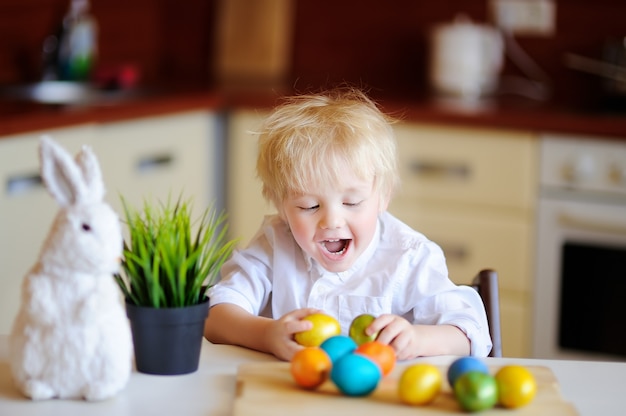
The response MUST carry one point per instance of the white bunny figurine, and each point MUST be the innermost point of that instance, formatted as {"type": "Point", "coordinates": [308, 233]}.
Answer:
{"type": "Point", "coordinates": [71, 337]}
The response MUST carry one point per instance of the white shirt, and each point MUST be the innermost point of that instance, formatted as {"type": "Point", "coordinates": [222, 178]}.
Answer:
{"type": "Point", "coordinates": [401, 272]}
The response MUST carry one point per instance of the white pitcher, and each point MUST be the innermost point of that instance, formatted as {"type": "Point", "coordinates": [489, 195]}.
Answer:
{"type": "Point", "coordinates": [466, 59]}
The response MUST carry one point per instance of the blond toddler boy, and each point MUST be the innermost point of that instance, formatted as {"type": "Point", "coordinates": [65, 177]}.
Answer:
{"type": "Point", "coordinates": [328, 164]}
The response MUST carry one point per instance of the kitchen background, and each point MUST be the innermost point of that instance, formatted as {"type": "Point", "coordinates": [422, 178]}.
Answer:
{"type": "Point", "coordinates": [382, 45]}
{"type": "Point", "coordinates": [488, 185]}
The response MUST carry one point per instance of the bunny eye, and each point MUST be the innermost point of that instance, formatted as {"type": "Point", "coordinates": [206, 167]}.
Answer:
{"type": "Point", "coordinates": [86, 226]}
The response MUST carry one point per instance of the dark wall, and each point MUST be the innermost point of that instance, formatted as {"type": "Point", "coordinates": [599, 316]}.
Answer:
{"type": "Point", "coordinates": [385, 44]}
{"type": "Point", "coordinates": [379, 44]}
{"type": "Point", "coordinates": [168, 40]}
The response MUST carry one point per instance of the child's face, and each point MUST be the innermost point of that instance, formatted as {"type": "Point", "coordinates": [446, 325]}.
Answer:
{"type": "Point", "coordinates": [335, 225]}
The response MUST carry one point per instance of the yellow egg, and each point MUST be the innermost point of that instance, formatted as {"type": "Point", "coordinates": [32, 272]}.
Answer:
{"type": "Point", "coordinates": [516, 386]}
{"type": "Point", "coordinates": [324, 327]}
{"type": "Point", "coordinates": [419, 384]}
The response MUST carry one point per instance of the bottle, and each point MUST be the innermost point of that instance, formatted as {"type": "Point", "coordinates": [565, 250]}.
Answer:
{"type": "Point", "coordinates": [77, 47]}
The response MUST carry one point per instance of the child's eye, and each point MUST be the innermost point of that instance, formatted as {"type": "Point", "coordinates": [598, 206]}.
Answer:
{"type": "Point", "coordinates": [352, 204]}
{"type": "Point", "coordinates": [312, 208]}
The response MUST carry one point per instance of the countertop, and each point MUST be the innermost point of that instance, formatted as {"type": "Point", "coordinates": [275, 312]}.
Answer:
{"type": "Point", "coordinates": [21, 116]}
{"type": "Point", "coordinates": [594, 388]}
{"type": "Point", "coordinates": [18, 117]}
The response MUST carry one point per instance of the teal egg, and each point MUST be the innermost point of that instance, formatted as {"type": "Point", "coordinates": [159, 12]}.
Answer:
{"type": "Point", "coordinates": [355, 375]}
{"type": "Point", "coordinates": [463, 365]}
{"type": "Point", "coordinates": [338, 346]}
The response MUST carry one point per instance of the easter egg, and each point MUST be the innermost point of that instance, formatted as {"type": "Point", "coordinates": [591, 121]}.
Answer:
{"type": "Point", "coordinates": [355, 375]}
{"type": "Point", "coordinates": [464, 364]}
{"type": "Point", "coordinates": [324, 326]}
{"type": "Point", "coordinates": [516, 386]}
{"type": "Point", "coordinates": [382, 354]}
{"type": "Point", "coordinates": [419, 384]}
{"type": "Point", "coordinates": [310, 367]}
{"type": "Point", "coordinates": [476, 391]}
{"type": "Point", "coordinates": [337, 346]}
{"type": "Point", "coordinates": [358, 326]}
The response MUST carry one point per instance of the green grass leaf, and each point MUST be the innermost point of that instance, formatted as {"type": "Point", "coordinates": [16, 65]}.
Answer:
{"type": "Point", "coordinates": [166, 263]}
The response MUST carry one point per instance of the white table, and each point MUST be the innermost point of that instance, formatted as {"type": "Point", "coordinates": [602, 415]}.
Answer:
{"type": "Point", "coordinates": [595, 388]}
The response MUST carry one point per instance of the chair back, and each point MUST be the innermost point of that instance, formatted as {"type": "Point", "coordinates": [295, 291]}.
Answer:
{"type": "Point", "coordinates": [486, 284]}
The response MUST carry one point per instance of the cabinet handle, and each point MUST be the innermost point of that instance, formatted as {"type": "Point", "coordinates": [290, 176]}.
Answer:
{"type": "Point", "coordinates": [150, 163]}
{"type": "Point", "coordinates": [455, 252]}
{"type": "Point", "coordinates": [20, 184]}
{"type": "Point", "coordinates": [573, 221]}
{"type": "Point", "coordinates": [440, 169]}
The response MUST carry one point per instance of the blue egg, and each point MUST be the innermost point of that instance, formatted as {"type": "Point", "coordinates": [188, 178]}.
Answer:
{"type": "Point", "coordinates": [464, 364]}
{"type": "Point", "coordinates": [355, 375]}
{"type": "Point", "coordinates": [337, 346]}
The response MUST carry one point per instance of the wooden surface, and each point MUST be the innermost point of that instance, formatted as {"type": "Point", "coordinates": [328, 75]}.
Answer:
{"type": "Point", "coordinates": [268, 389]}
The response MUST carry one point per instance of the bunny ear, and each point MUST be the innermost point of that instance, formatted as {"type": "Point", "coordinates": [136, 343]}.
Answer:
{"type": "Point", "coordinates": [88, 164]}
{"type": "Point", "coordinates": [60, 173]}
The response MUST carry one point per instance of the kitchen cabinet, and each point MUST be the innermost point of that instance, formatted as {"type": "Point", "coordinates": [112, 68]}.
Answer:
{"type": "Point", "coordinates": [245, 205]}
{"type": "Point", "coordinates": [472, 191]}
{"type": "Point", "coordinates": [161, 157]}
{"type": "Point", "coordinates": [152, 157]}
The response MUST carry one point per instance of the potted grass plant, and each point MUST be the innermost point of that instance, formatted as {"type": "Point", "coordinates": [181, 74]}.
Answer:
{"type": "Point", "coordinates": [169, 262]}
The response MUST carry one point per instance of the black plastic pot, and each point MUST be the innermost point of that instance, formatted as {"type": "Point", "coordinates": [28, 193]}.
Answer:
{"type": "Point", "coordinates": [167, 341]}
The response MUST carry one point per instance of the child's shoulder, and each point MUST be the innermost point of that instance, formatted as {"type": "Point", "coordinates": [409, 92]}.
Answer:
{"type": "Point", "coordinates": [273, 228]}
{"type": "Point", "coordinates": [397, 233]}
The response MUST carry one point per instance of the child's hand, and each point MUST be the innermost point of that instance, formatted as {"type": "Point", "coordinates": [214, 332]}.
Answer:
{"type": "Point", "coordinates": [279, 337]}
{"type": "Point", "coordinates": [397, 332]}
{"type": "Point", "coordinates": [411, 341]}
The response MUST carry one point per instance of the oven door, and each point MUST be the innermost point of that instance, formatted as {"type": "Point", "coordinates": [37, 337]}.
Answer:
{"type": "Point", "coordinates": [580, 280]}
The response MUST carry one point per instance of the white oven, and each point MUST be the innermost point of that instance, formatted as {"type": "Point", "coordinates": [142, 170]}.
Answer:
{"type": "Point", "coordinates": [580, 280]}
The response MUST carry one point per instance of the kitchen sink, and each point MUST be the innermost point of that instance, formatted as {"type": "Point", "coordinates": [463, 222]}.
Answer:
{"type": "Point", "coordinates": [66, 93]}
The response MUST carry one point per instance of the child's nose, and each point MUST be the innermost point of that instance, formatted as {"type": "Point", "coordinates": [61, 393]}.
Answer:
{"type": "Point", "coordinates": [331, 220]}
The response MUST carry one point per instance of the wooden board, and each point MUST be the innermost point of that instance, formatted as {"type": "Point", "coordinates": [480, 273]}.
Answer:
{"type": "Point", "coordinates": [268, 389]}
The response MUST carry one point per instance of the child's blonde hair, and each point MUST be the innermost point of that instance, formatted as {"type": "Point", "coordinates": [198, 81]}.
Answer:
{"type": "Point", "coordinates": [310, 138]}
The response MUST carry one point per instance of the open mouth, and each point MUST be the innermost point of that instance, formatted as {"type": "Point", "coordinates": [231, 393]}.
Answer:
{"type": "Point", "coordinates": [336, 247]}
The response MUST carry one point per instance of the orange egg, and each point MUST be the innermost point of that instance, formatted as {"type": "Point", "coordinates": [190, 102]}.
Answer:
{"type": "Point", "coordinates": [310, 367]}
{"type": "Point", "coordinates": [382, 354]}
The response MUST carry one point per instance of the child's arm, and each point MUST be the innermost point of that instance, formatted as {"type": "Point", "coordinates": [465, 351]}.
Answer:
{"type": "Point", "coordinates": [411, 341]}
{"type": "Point", "coordinates": [230, 324]}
